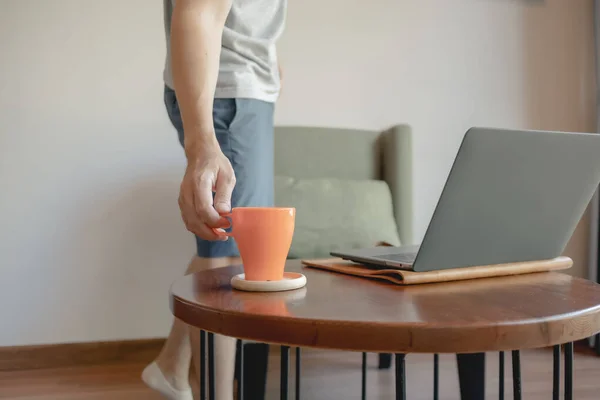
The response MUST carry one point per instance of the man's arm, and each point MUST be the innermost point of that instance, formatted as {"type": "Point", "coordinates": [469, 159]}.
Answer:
{"type": "Point", "coordinates": [196, 31]}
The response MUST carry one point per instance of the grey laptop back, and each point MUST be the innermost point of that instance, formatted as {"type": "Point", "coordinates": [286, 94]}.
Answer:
{"type": "Point", "coordinates": [511, 196]}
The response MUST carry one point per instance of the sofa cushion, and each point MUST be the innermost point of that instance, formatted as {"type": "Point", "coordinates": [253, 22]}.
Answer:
{"type": "Point", "coordinates": [334, 214]}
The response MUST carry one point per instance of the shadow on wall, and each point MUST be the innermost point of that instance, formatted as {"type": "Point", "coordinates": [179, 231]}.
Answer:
{"type": "Point", "coordinates": [559, 82]}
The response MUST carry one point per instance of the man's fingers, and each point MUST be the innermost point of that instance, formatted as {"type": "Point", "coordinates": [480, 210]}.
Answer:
{"type": "Point", "coordinates": [195, 225]}
{"type": "Point", "coordinates": [207, 233]}
{"type": "Point", "coordinates": [223, 190]}
{"type": "Point", "coordinates": [203, 200]}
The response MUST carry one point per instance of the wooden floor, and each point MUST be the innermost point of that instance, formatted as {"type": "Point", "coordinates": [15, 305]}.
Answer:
{"type": "Point", "coordinates": [325, 375]}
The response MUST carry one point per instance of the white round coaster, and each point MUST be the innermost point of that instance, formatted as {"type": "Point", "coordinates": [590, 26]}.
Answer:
{"type": "Point", "coordinates": [290, 281]}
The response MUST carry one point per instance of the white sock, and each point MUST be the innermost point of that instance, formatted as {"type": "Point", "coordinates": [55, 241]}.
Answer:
{"type": "Point", "coordinates": [155, 379]}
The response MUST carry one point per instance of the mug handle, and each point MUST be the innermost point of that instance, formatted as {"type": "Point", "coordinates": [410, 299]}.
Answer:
{"type": "Point", "coordinates": [228, 234]}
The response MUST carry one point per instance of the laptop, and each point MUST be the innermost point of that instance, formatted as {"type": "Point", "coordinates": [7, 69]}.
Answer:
{"type": "Point", "coordinates": [510, 196]}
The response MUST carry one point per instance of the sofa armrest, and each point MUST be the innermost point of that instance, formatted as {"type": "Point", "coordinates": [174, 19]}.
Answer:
{"type": "Point", "coordinates": [398, 173]}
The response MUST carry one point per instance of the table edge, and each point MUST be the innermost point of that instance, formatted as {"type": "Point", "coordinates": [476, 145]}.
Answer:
{"type": "Point", "coordinates": [388, 337]}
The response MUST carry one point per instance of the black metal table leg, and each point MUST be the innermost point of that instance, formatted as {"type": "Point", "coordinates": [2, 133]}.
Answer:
{"type": "Point", "coordinates": [363, 392]}
{"type": "Point", "coordinates": [400, 377]}
{"type": "Point", "coordinates": [556, 373]}
{"type": "Point", "coordinates": [569, 371]}
{"type": "Point", "coordinates": [211, 366]}
{"type": "Point", "coordinates": [240, 387]}
{"type": "Point", "coordinates": [501, 376]}
{"type": "Point", "coordinates": [385, 360]}
{"type": "Point", "coordinates": [285, 366]}
{"type": "Point", "coordinates": [436, 376]}
{"type": "Point", "coordinates": [516, 366]}
{"type": "Point", "coordinates": [256, 361]}
{"type": "Point", "coordinates": [202, 365]}
{"type": "Point", "coordinates": [471, 375]}
{"type": "Point", "coordinates": [298, 370]}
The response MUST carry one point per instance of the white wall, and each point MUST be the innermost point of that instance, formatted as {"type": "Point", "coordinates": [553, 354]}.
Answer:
{"type": "Point", "coordinates": [90, 235]}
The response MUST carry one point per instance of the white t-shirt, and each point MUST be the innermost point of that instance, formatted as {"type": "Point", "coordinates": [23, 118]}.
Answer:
{"type": "Point", "coordinates": [248, 63]}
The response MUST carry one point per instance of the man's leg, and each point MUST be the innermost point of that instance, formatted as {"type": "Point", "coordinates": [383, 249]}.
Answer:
{"type": "Point", "coordinates": [173, 362]}
{"type": "Point", "coordinates": [224, 346]}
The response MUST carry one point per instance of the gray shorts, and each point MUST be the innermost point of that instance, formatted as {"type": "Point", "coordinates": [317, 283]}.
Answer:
{"type": "Point", "coordinates": [244, 129]}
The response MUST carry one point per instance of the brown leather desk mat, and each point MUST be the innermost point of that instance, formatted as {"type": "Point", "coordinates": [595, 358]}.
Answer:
{"type": "Point", "coordinates": [402, 277]}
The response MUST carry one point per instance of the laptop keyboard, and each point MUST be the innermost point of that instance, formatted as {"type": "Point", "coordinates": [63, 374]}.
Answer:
{"type": "Point", "coordinates": [403, 257]}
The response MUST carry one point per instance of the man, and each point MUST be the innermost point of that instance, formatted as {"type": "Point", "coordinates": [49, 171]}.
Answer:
{"type": "Point", "coordinates": [221, 83]}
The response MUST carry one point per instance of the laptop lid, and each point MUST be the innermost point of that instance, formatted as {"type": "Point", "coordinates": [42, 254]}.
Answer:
{"type": "Point", "coordinates": [511, 195]}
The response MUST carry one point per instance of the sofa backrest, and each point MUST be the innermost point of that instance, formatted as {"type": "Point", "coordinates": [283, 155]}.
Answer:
{"type": "Point", "coordinates": [316, 152]}
{"type": "Point", "coordinates": [327, 153]}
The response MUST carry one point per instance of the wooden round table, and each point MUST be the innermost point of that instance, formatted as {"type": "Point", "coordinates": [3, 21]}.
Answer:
{"type": "Point", "coordinates": [336, 311]}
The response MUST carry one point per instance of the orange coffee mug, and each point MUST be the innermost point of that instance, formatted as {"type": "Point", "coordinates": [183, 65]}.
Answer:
{"type": "Point", "coordinates": [263, 236]}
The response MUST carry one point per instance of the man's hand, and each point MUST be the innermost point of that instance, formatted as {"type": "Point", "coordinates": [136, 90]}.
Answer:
{"type": "Point", "coordinates": [208, 170]}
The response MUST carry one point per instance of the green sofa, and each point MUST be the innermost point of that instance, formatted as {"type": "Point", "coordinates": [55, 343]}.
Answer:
{"type": "Point", "coordinates": [310, 153]}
